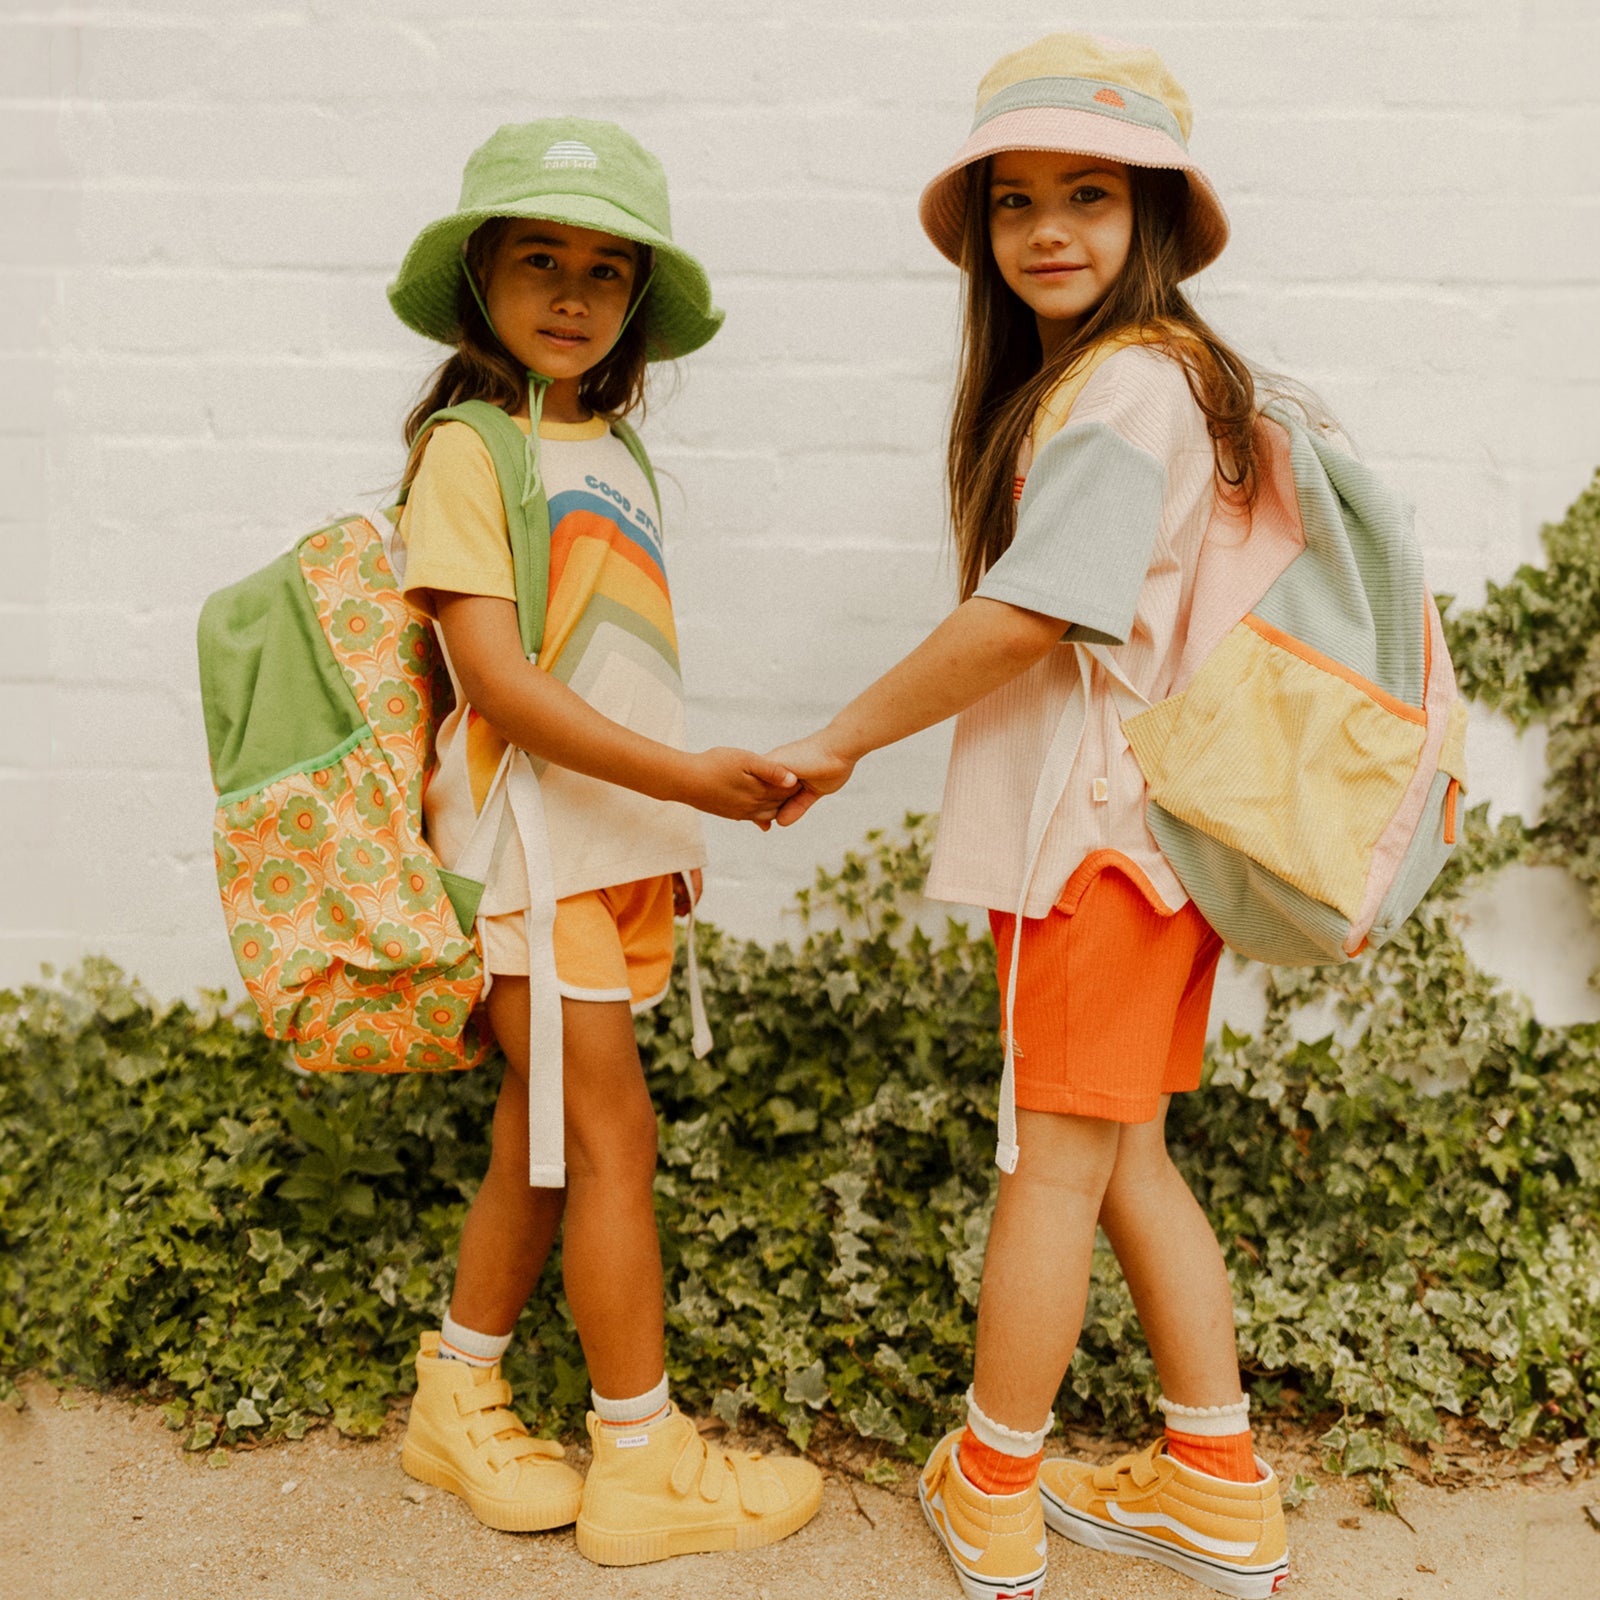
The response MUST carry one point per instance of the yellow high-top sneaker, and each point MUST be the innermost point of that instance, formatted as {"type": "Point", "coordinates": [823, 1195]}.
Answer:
{"type": "Point", "coordinates": [995, 1542]}
{"type": "Point", "coordinates": [658, 1489]}
{"type": "Point", "coordinates": [462, 1436]}
{"type": "Point", "coordinates": [1228, 1535]}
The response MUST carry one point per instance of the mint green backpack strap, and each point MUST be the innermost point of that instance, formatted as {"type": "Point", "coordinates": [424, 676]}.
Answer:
{"type": "Point", "coordinates": [529, 526]}
{"type": "Point", "coordinates": [636, 449]}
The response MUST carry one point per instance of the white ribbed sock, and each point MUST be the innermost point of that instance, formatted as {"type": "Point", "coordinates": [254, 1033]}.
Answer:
{"type": "Point", "coordinates": [1207, 1422]}
{"type": "Point", "coordinates": [457, 1343]}
{"type": "Point", "coordinates": [1008, 1441]}
{"type": "Point", "coordinates": [641, 1408]}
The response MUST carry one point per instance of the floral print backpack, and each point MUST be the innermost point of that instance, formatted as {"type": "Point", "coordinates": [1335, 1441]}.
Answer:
{"type": "Point", "coordinates": [322, 691]}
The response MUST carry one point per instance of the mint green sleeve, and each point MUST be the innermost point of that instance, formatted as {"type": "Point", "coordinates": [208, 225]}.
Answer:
{"type": "Point", "coordinates": [1086, 530]}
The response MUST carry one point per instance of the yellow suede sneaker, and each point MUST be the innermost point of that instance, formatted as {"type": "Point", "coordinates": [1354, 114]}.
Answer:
{"type": "Point", "coordinates": [995, 1542]}
{"type": "Point", "coordinates": [658, 1489]}
{"type": "Point", "coordinates": [463, 1437]}
{"type": "Point", "coordinates": [1228, 1535]}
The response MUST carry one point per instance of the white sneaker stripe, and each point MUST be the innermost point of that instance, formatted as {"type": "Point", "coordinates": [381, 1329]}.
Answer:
{"type": "Point", "coordinates": [970, 1551]}
{"type": "Point", "coordinates": [1160, 1519]}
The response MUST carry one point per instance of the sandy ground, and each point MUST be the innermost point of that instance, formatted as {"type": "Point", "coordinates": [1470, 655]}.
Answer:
{"type": "Point", "coordinates": [101, 1503]}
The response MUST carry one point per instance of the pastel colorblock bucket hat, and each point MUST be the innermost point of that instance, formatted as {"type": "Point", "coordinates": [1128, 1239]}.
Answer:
{"type": "Point", "coordinates": [562, 169]}
{"type": "Point", "coordinates": [1082, 94]}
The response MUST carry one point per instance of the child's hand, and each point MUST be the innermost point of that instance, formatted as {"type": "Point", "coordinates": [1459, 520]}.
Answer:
{"type": "Point", "coordinates": [821, 770]}
{"type": "Point", "coordinates": [686, 891]}
{"type": "Point", "coordinates": [739, 784]}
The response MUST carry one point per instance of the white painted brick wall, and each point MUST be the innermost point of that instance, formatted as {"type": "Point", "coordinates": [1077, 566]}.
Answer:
{"type": "Point", "coordinates": [202, 204]}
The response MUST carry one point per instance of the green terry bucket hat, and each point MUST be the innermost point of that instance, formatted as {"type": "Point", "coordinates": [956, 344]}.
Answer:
{"type": "Point", "coordinates": [562, 169]}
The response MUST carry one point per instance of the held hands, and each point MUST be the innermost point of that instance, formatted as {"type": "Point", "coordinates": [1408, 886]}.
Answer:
{"type": "Point", "coordinates": [780, 786]}
{"type": "Point", "coordinates": [820, 768]}
{"type": "Point", "coordinates": [739, 784]}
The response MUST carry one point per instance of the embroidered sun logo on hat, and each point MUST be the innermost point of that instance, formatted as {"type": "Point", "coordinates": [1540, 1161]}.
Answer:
{"type": "Point", "coordinates": [570, 153]}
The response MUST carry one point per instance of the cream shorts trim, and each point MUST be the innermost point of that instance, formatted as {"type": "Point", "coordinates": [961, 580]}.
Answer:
{"type": "Point", "coordinates": [612, 944]}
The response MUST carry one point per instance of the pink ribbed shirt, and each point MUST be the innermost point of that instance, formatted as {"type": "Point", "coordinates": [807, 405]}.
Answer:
{"type": "Point", "coordinates": [1110, 526]}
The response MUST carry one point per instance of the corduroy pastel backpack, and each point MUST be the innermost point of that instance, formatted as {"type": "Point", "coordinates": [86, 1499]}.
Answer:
{"type": "Point", "coordinates": [322, 692]}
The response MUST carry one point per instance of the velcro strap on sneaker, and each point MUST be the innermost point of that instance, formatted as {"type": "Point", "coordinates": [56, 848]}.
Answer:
{"type": "Point", "coordinates": [506, 1448]}
{"type": "Point", "coordinates": [483, 1397]}
{"type": "Point", "coordinates": [509, 1448]}
{"type": "Point", "coordinates": [1139, 1469]}
{"type": "Point", "coordinates": [686, 1469]}
{"type": "Point", "coordinates": [759, 1489]}
{"type": "Point", "coordinates": [713, 1476]}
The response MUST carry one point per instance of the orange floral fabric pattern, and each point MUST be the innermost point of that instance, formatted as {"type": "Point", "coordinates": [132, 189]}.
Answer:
{"type": "Point", "coordinates": [340, 923]}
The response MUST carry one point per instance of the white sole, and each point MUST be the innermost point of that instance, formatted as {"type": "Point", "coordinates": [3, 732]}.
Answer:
{"type": "Point", "coordinates": [975, 1588]}
{"type": "Point", "coordinates": [1244, 1583]}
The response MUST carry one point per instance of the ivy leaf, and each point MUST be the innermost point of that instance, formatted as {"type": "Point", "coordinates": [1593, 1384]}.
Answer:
{"type": "Point", "coordinates": [839, 986]}
{"type": "Point", "coordinates": [874, 1420]}
{"type": "Point", "coordinates": [807, 1387]}
{"type": "Point", "coordinates": [787, 1118]}
{"type": "Point", "coordinates": [245, 1415]}
{"type": "Point", "coordinates": [730, 1404]}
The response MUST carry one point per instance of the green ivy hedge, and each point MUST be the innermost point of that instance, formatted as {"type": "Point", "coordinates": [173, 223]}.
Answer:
{"type": "Point", "coordinates": [1403, 1167]}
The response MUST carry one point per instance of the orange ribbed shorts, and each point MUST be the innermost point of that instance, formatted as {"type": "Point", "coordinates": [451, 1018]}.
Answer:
{"type": "Point", "coordinates": [611, 944]}
{"type": "Point", "coordinates": [1113, 997]}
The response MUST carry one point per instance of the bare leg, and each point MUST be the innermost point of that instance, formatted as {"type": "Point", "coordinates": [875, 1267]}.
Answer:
{"type": "Point", "coordinates": [611, 1255]}
{"type": "Point", "coordinates": [510, 1225]}
{"type": "Point", "coordinates": [1174, 1269]}
{"type": "Point", "coordinates": [1036, 1268]}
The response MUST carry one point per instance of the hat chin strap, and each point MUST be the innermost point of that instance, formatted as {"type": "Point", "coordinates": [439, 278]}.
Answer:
{"type": "Point", "coordinates": [538, 383]}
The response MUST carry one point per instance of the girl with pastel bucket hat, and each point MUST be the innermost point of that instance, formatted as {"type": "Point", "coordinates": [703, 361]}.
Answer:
{"type": "Point", "coordinates": [1100, 429]}
{"type": "Point", "coordinates": [556, 280]}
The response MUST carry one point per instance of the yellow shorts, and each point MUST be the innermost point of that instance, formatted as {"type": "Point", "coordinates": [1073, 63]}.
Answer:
{"type": "Point", "coordinates": [611, 944]}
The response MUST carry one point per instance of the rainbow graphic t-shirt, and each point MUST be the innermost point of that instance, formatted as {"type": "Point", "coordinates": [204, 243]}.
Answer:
{"type": "Point", "coordinates": [609, 636]}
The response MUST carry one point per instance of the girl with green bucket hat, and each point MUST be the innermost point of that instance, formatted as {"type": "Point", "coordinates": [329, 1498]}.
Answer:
{"type": "Point", "coordinates": [562, 785]}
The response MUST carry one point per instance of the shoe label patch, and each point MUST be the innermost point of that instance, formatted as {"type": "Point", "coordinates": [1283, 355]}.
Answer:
{"type": "Point", "coordinates": [634, 1441]}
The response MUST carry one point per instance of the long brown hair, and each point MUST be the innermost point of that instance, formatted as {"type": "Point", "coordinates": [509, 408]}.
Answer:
{"type": "Point", "coordinates": [481, 368]}
{"type": "Point", "coordinates": [1004, 376]}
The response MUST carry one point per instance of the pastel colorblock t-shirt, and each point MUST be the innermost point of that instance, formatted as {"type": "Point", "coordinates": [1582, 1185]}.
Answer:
{"type": "Point", "coordinates": [1114, 511]}
{"type": "Point", "coordinates": [609, 636]}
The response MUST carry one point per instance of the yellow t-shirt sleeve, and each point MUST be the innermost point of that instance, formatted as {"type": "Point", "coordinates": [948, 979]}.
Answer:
{"type": "Point", "coordinates": [454, 523]}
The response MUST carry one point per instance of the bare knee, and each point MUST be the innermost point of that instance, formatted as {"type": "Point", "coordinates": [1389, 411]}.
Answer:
{"type": "Point", "coordinates": [613, 1141]}
{"type": "Point", "coordinates": [1076, 1154]}
{"type": "Point", "coordinates": [1142, 1165]}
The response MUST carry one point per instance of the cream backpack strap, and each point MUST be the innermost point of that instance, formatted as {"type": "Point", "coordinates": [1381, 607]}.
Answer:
{"type": "Point", "coordinates": [1052, 785]}
{"type": "Point", "coordinates": [701, 1040]}
{"type": "Point", "coordinates": [514, 799]}
{"type": "Point", "coordinates": [547, 1167]}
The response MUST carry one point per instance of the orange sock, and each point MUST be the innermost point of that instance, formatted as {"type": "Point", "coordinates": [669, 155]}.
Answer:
{"type": "Point", "coordinates": [993, 1471]}
{"type": "Point", "coordinates": [1231, 1457]}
